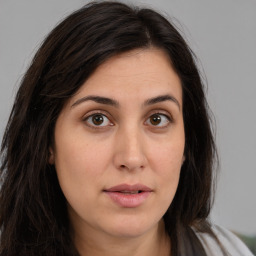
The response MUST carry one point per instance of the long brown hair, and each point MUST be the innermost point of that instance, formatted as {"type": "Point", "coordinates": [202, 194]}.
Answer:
{"type": "Point", "coordinates": [33, 215]}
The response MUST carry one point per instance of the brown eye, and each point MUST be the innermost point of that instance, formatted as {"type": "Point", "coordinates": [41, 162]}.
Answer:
{"type": "Point", "coordinates": [97, 120]}
{"type": "Point", "coordinates": [158, 120]}
{"type": "Point", "coordinates": [155, 119]}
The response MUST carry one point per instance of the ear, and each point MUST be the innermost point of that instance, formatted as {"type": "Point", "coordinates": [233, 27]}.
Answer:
{"type": "Point", "coordinates": [183, 159]}
{"type": "Point", "coordinates": [51, 156]}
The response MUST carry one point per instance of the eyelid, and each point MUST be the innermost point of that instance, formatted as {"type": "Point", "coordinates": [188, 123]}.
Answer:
{"type": "Point", "coordinates": [163, 113]}
{"type": "Point", "coordinates": [95, 112]}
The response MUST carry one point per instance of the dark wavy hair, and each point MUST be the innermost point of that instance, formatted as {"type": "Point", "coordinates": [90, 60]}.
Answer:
{"type": "Point", "coordinates": [33, 214]}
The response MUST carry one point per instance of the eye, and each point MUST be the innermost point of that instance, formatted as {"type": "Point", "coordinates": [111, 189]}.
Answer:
{"type": "Point", "coordinates": [97, 120]}
{"type": "Point", "coordinates": [158, 120]}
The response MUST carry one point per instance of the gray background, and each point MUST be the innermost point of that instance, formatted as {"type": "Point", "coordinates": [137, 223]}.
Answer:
{"type": "Point", "coordinates": [223, 35]}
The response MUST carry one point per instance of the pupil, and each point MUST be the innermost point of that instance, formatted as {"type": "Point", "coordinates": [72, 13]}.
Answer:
{"type": "Point", "coordinates": [155, 119]}
{"type": "Point", "coordinates": [97, 119]}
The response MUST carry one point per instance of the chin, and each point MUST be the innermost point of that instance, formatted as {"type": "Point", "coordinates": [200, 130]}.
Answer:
{"type": "Point", "coordinates": [131, 228]}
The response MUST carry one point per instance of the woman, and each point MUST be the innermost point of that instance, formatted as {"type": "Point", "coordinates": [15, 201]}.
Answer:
{"type": "Point", "coordinates": [109, 148]}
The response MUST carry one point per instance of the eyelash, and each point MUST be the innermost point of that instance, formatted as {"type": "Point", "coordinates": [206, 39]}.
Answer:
{"type": "Point", "coordinates": [168, 120]}
{"type": "Point", "coordinates": [98, 113]}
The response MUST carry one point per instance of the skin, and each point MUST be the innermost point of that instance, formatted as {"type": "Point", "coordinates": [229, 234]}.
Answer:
{"type": "Point", "coordinates": [124, 145]}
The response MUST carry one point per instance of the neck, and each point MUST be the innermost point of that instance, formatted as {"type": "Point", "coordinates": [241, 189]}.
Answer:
{"type": "Point", "coordinates": [154, 242]}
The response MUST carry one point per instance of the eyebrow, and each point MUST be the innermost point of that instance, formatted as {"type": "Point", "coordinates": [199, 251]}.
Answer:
{"type": "Point", "coordinates": [114, 103]}
{"type": "Point", "coordinates": [97, 99]}
{"type": "Point", "coordinates": [162, 98]}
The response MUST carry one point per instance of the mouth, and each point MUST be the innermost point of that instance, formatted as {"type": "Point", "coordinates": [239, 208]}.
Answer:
{"type": "Point", "coordinates": [125, 188]}
{"type": "Point", "coordinates": [129, 196]}
{"type": "Point", "coordinates": [130, 192]}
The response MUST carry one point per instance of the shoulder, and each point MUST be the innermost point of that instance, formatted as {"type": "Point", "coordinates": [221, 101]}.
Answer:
{"type": "Point", "coordinates": [230, 242]}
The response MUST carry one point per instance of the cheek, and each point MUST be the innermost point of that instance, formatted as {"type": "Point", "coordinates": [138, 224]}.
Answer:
{"type": "Point", "coordinates": [78, 166]}
{"type": "Point", "coordinates": [166, 158]}
{"type": "Point", "coordinates": [166, 161]}
{"type": "Point", "coordinates": [80, 157]}
{"type": "Point", "coordinates": [79, 174]}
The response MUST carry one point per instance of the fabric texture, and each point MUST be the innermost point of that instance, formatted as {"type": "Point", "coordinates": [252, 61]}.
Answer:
{"type": "Point", "coordinates": [230, 243]}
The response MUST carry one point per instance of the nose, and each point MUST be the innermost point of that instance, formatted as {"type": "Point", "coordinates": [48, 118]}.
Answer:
{"type": "Point", "coordinates": [129, 150]}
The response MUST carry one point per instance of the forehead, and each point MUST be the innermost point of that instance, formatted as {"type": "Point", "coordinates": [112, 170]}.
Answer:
{"type": "Point", "coordinates": [137, 73]}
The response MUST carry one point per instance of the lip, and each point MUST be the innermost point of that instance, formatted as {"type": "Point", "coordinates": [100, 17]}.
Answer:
{"type": "Point", "coordinates": [129, 196]}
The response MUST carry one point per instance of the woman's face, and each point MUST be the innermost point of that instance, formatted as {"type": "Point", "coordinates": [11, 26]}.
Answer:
{"type": "Point", "coordinates": [119, 145]}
